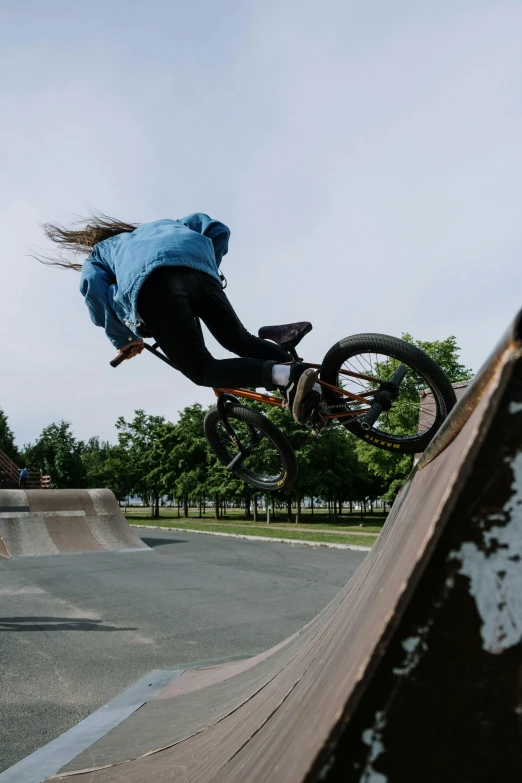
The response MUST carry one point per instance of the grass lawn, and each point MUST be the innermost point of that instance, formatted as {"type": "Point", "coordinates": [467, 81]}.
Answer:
{"type": "Point", "coordinates": [347, 529]}
{"type": "Point", "coordinates": [268, 531]}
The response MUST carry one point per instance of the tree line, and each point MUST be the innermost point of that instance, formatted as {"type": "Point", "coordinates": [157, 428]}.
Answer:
{"type": "Point", "coordinates": [154, 458]}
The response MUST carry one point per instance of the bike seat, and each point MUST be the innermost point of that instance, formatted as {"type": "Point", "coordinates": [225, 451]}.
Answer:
{"type": "Point", "coordinates": [287, 336]}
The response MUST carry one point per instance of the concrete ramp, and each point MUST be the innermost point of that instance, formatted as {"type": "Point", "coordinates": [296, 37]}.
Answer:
{"type": "Point", "coordinates": [57, 521]}
{"type": "Point", "coordinates": [411, 674]}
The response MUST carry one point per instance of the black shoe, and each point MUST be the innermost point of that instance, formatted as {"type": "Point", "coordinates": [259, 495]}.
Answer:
{"type": "Point", "coordinates": [298, 390]}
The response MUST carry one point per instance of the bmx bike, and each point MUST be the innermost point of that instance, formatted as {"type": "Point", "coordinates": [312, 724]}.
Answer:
{"type": "Point", "coordinates": [371, 385]}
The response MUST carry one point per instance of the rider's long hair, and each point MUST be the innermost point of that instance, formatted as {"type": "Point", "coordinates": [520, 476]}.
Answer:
{"type": "Point", "coordinates": [81, 238]}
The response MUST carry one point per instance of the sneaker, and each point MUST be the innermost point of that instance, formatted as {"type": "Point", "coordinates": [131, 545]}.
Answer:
{"type": "Point", "coordinates": [298, 390]}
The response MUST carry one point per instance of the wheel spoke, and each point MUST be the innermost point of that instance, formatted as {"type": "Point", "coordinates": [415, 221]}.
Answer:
{"type": "Point", "coordinates": [409, 415]}
{"type": "Point", "coordinates": [262, 459]}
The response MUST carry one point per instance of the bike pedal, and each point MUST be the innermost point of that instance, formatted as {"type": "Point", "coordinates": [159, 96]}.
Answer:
{"type": "Point", "coordinates": [321, 417]}
{"type": "Point", "coordinates": [310, 412]}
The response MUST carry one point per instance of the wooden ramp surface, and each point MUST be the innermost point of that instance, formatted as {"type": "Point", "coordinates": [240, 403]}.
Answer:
{"type": "Point", "coordinates": [412, 673]}
{"type": "Point", "coordinates": [58, 521]}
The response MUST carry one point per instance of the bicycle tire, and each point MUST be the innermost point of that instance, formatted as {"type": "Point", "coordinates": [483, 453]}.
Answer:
{"type": "Point", "coordinates": [415, 359]}
{"type": "Point", "coordinates": [235, 411]}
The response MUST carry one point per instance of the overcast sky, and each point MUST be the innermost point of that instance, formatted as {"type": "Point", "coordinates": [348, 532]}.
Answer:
{"type": "Point", "coordinates": [365, 155]}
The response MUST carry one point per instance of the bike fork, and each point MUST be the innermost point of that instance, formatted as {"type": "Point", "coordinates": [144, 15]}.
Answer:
{"type": "Point", "coordinates": [244, 451]}
{"type": "Point", "coordinates": [385, 395]}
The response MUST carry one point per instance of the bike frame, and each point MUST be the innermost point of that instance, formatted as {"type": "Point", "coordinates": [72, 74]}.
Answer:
{"type": "Point", "coordinates": [268, 399]}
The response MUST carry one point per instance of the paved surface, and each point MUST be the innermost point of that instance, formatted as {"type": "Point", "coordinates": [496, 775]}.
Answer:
{"type": "Point", "coordinates": [75, 630]}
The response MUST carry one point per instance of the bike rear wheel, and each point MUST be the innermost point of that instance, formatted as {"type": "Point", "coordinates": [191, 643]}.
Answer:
{"type": "Point", "coordinates": [270, 462]}
{"type": "Point", "coordinates": [411, 421]}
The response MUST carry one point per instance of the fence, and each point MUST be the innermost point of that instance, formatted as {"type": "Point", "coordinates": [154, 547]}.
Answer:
{"type": "Point", "coordinates": [10, 475]}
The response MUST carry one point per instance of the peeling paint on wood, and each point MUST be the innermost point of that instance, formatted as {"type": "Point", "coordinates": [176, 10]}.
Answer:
{"type": "Point", "coordinates": [494, 569]}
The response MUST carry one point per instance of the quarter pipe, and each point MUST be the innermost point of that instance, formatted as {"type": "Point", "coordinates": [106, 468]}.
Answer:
{"type": "Point", "coordinates": [58, 521]}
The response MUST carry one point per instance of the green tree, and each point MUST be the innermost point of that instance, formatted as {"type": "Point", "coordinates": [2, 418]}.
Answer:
{"type": "Point", "coordinates": [446, 354]}
{"type": "Point", "coordinates": [7, 444]}
{"type": "Point", "coordinates": [107, 465]}
{"type": "Point", "coordinates": [137, 439]}
{"type": "Point", "coordinates": [179, 456]}
{"type": "Point", "coordinates": [57, 453]}
{"type": "Point", "coordinates": [333, 469]}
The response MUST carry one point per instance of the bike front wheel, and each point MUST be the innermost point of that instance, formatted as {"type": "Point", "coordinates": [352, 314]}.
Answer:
{"type": "Point", "coordinates": [253, 449]}
{"type": "Point", "coordinates": [363, 365]}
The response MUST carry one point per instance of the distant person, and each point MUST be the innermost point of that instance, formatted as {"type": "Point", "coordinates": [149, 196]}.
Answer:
{"type": "Point", "coordinates": [23, 477]}
{"type": "Point", "coordinates": [153, 280]}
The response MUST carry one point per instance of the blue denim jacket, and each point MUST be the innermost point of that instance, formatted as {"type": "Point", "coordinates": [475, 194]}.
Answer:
{"type": "Point", "coordinates": [117, 268]}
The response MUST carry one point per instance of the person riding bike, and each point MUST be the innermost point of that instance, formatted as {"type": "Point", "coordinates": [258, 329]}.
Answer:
{"type": "Point", "coordinates": [154, 280]}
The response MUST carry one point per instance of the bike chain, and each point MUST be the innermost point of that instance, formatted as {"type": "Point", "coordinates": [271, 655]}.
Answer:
{"type": "Point", "coordinates": [342, 405]}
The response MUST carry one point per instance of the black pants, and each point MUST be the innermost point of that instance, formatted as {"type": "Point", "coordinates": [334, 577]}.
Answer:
{"type": "Point", "coordinates": [169, 301]}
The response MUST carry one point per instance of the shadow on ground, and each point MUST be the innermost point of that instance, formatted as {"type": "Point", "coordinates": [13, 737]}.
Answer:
{"type": "Point", "coordinates": [55, 624]}
{"type": "Point", "coordinates": [160, 541]}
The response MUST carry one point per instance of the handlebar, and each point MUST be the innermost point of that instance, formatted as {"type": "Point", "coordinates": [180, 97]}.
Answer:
{"type": "Point", "coordinates": [118, 360]}
{"type": "Point", "coordinates": [152, 349]}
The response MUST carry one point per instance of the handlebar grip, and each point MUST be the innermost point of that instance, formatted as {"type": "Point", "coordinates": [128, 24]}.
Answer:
{"type": "Point", "coordinates": [118, 360]}
{"type": "Point", "coordinates": [371, 416]}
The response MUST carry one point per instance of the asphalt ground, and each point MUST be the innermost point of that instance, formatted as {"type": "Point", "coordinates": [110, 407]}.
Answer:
{"type": "Point", "coordinates": [76, 630]}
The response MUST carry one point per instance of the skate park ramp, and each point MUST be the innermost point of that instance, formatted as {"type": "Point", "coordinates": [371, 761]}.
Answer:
{"type": "Point", "coordinates": [412, 673]}
{"type": "Point", "coordinates": [57, 521]}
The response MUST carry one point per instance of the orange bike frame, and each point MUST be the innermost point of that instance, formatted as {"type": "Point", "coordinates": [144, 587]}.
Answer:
{"type": "Point", "coordinates": [268, 399]}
